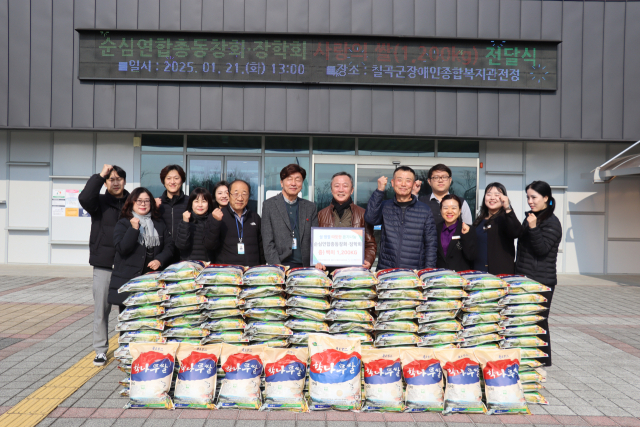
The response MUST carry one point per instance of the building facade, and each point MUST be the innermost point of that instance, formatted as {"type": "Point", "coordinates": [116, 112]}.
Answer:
{"type": "Point", "coordinates": [56, 129]}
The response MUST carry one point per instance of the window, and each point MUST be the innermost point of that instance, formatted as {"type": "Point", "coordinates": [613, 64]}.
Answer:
{"type": "Point", "coordinates": [224, 143]}
{"type": "Point", "coordinates": [322, 145]}
{"type": "Point", "coordinates": [286, 144]}
{"type": "Point", "coordinates": [162, 142]}
{"type": "Point", "coordinates": [453, 148]}
{"type": "Point", "coordinates": [150, 167]}
{"type": "Point", "coordinates": [272, 168]}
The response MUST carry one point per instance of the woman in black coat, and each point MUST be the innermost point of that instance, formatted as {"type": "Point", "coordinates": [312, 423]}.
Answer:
{"type": "Point", "coordinates": [142, 242]}
{"type": "Point", "coordinates": [191, 232]}
{"type": "Point", "coordinates": [538, 248]}
{"type": "Point", "coordinates": [456, 240]}
{"type": "Point", "coordinates": [497, 227]}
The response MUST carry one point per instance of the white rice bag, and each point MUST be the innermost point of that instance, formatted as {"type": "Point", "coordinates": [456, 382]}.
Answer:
{"type": "Point", "coordinates": [285, 371]}
{"type": "Point", "coordinates": [240, 388]}
{"type": "Point", "coordinates": [423, 375]}
{"type": "Point", "coordinates": [197, 377]}
{"type": "Point", "coordinates": [463, 393]}
{"type": "Point", "coordinates": [502, 386]}
{"type": "Point", "coordinates": [151, 373]}
{"type": "Point", "coordinates": [382, 380]}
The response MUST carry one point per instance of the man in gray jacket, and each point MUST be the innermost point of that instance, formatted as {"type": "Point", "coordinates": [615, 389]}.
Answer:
{"type": "Point", "coordinates": [287, 220]}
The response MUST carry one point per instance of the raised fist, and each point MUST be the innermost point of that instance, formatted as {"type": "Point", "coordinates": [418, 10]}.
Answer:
{"type": "Point", "coordinates": [217, 214]}
{"type": "Point", "coordinates": [382, 183]}
{"type": "Point", "coordinates": [465, 228]}
{"type": "Point", "coordinates": [532, 220]}
{"type": "Point", "coordinates": [186, 215]}
{"type": "Point", "coordinates": [106, 170]}
{"type": "Point", "coordinates": [505, 202]}
{"type": "Point", "coordinates": [417, 185]}
{"type": "Point", "coordinates": [158, 201]}
{"type": "Point", "coordinates": [135, 223]}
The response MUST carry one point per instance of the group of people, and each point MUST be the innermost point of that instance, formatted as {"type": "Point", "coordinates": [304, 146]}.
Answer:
{"type": "Point", "coordinates": [135, 233]}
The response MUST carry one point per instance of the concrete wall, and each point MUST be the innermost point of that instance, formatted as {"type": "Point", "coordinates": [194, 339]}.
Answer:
{"type": "Point", "coordinates": [599, 82]}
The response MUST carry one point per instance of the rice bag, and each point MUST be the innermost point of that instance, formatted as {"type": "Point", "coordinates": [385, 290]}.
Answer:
{"type": "Point", "coordinates": [401, 294]}
{"type": "Point", "coordinates": [480, 280]}
{"type": "Point", "coordinates": [396, 326]}
{"type": "Point", "coordinates": [482, 296]}
{"type": "Point", "coordinates": [141, 337]}
{"type": "Point", "coordinates": [218, 303]}
{"type": "Point", "coordinates": [218, 274]}
{"type": "Point", "coordinates": [145, 283]}
{"type": "Point", "coordinates": [527, 287]}
{"type": "Point", "coordinates": [435, 277]}
{"type": "Point", "coordinates": [308, 292]}
{"type": "Point", "coordinates": [349, 315]}
{"type": "Point", "coordinates": [423, 375]}
{"type": "Point", "coordinates": [353, 277]}
{"type": "Point", "coordinates": [530, 353]}
{"type": "Point", "coordinates": [225, 337]}
{"type": "Point", "coordinates": [442, 326]}
{"type": "Point", "coordinates": [352, 304]}
{"type": "Point", "coordinates": [267, 328]}
{"type": "Point", "coordinates": [535, 398]}
{"type": "Point", "coordinates": [486, 307]}
{"type": "Point", "coordinates": [338, 327]}
{"type": "Point", "coordinates": [261, 291]}
{"type": "Point", "coordinates": [502, 386]}
{"type": "Point", "coordinates": [475, 318]}
{"type": "Point", "coordinates": [144, 298]}
{"type": "Point", "coordinates": [523, 330]}
{"type": "Point", "coordinates": [362, 336]}
{"type": "Point", "coordinates": [225, 324]}
{"type": "Point", "coordinates": [265, 302]}
{"type": "Point", "coordinates": [435, 316]}
{"type": "Point", "coordinates": [463, 393]}
{"type": "Point", "coordinates": [305, 313]}
{"type": "Point", "coordinates": [185, 332]}
{"type": "Point", "coordinates": [306, 325]}
{"type": "Point", "coordinates": [138, 324]}
{"type": "Point", "coordinates": [306, 302]}
{"type": "Point", "coordinates": [137, 312]}
{"type": "Point", "coordinates": [383, 389]}
{"type": "Point", "coordinates": [122, 351]}
{"type": "Point", "coordinates": [188, 320]}
{"type": "Point", "coordinates": [264, 275]}
{"type": "Point", "coordinates": [151, 373]}
{"type": "Point", "coordinates": [266, 313]}
{"type": "Point", "coordinates": [184, 300]}
{"type": "Point", "coordinates": [299, 337]}
{"type": "Point", "coordinates": [180, 287]}
{"type": "Point", "coordinates": [524, 309]}
{"type": "Point", "coordinates": [522, 299]}
{"type": "Point", "coordinates": [196, 382]}
{"type": "Point", "coordinates": [479, 340]}
{"type": "Point", "coordinates": [181, 311]}
{"type": "Point", "coordinates": [530, 319]}
{"type": "Point", "coordinates": [308, 277]}
{"type": "Point", "coordinates": [220, 291]}
{"type": "Point", "coordinates": [397, 278]}
{"type": "Point", "coordinates": [444, 293]}
{"type": "Point", "coordinates": [480, 329]}
{"type": "Point", "coordinates": [396, 304]}
{"type": "Point", "coordinates": [440, 305]}
{"type": "Point", "coordinates": [510, 342]}
{"type": "Point", "coordinates": [182, 271]}
{"type": "Point", "coordinates": [334, 373]}
{"type": "Point", "coordinates": [531, 377]}
{"type": "Point", "coordinates": [285, 371]}
{"type": "Point", "coordinates": [277, 343]}
{"type": "Point", "coordinates": [395, 339]}
{"type": "Point", "coordinates": [240, 388]}
{"type": "Point", "coordinates": [390, 315]}
{"type": "Point", "coordinates": [529, 364]}
{"type": "Point", "coordinates": [219, 314]}
{"type": "Point", "coordinates": [531, 387]}
{"type": "Point", "coordinates": [365, 293]}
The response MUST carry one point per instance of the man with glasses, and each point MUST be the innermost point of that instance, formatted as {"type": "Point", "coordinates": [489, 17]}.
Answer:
{"type": "Point", "coordinates": [105, 211]}
{"type": "Point", "coordinates": [287, 220]}
{"type": "Point", "coordinates": [440, 181]}
{"type": "Point", "coordinates": [235, 235]}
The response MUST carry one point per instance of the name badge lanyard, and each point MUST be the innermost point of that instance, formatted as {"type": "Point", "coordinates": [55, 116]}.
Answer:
{"type": "Point", "coordinates": [240, 229]}
{"type": "Point", "coordinates": [294, 245]}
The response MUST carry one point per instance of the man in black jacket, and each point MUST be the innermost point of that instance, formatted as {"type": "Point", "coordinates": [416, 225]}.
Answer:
{"type": "Point", "coordinates": [235, 234]}
{"type": "Point", "coordinates": [105, 211]}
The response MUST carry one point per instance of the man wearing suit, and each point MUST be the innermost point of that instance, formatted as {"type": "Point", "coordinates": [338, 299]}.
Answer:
{"type": "Point", "coordinates": [287, 221]}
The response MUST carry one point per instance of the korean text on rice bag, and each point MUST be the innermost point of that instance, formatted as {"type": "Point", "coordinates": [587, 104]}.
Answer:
{"type": "Point", "coordinates": [182, 270]}
{"type": "Point", "coordinates": [435, 277]}
{"type": "Point", "coordinates": [145, 283]}
{"type": "Point", "coordinates": [397, 278]}
{"type": "Point", "coordinates": [423, 375]}
{"type": "Point", "coordinates": [218, 274]}
{"type": "Point", "coordinates": [334, 373]}
{"type": "Point", "coordinates": [240, 388]}
{"type": "Point", "coordinates": [151, 373]}
{"type": "Point", "coordinates": [285, 371]}
{"type": "Point", "coordinates": [382, 380]}
{"type": "Point", "coordinates": [264, 275]}
{"type": "Point", "coordinates": [502, 387]}
{"type": "Point", "coordinates": [197, 377]}
{"type": "Point", "coordinates": [463, 393]}
{"type": "Point", "coordinates": [308, 277]}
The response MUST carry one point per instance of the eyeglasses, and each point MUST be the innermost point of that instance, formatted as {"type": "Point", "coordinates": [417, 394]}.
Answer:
{"type": "Point", "coordinates": [439, 178]}
{"type": "Point", "coordinates": [236, 194]}
{"type": "Point", "coordinates": [143, 202]}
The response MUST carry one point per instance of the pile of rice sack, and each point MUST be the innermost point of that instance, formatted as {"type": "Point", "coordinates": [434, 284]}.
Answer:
{"type": "Point", "coordinates": [399, 293]}
{"type": "Point", "coordinates": [308, 290]}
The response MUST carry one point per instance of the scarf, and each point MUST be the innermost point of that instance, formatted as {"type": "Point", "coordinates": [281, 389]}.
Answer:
{"type": "Point", "coordinates": [148, 235]}
{"type": "Point", "coordinates": [340, 208]}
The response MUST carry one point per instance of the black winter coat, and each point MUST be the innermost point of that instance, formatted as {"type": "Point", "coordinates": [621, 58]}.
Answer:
{"type": "Point", "coordinates": [105, 211]}
{"type": "Point", "coordinates": [190, 236]}
{"type": "Point", "coordinates": [409, 240]}
{"type": "Point", "coordinates": [538, 250]}
{"type": "Point", "coordinates": [222, 239]}
{"type": "Point", "coordinates": [461, 251]}
{"type": "Point", "coordinates": [502, 231]}
{"type": "Point", "coordinates": [171, 211]}
{"type": "Point", "coordinates": [130, 256]}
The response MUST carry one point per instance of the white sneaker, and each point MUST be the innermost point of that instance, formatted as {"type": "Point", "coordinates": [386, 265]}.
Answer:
{"type": "Point", "coordinates": [100, 360]}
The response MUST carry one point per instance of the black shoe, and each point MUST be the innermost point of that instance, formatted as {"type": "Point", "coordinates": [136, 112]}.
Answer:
{"type": "Point", "coordinates": [100, 360]}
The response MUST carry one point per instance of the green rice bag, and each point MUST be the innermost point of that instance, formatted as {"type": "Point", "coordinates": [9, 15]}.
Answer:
{"type": "Point", "coordinates": [353, 277]}
{"type": "Point", "coordinates": [522, 299]}
{"type": "Point", "coordinates": [530, 363]}
{"type": "Point", "coordinates": [523, 330]}
{"type": "Point", "coordinates": [185, 332]}
{"type": "Point", "coordinates": [396, 339]}
{"type": "Point", "coordinates": [442, 326]}
{"type": "Point", "coordinates": [396, 326]}
{"type": "Point", "coordinates": [181, 311]}
{"type": "Point", "coordinates": [305, 313]}
{"type": "Point", "coordinates": [184, 300]}
{"type": "Point", "coordinates": [141, 337]}
{"type": "Point", "coordinates": [308, 292]}
{"type": "Point", "coordinates": [308, 277]}
{"type": "Point", "coordinates": [339, 327]}
{"type": "Point", "coordinates": [181, 287]}
{"type": "Point", "coordinates": [122, 351]}
{"type": "Point", "coordinates": [511, 342]}
{"type": "Point", "coordinates": [486, 307]}
{"type": "Point", "coordinates": [531, 377]}
{"type": "Point", "coordinates": [144, 298]}
{"type": "Point", "coordinates": [219, 314]}
{"type": "Point", "coordinates": [139, 324]}
{"type": "Point", "coordinates": [261, 291]}
{"type": "Point", "coordinates": [403, 280]}
{"type": "Point", "coordinates": [345, 304]}
{"type": "Point", "coordinates": [224, 336]}
{"type": "Point", "coordinates": [220, 291]}
{"type": "Point", "coordinates": [299, 338]}
{"type": "Point", "coordinates": [366, 293]}
{"type": "Point", "coordinates": [307, 302]}
{"type": "Point", "coordinates": [396, 304]}
{"type": "Point", "coordinates": [480, 340]}
{"type": "Point", "coordinates": [480, 329]}
{"type": "Point", "coordinates": [225, 324]}
{"type": "Point", "coordinates": [188, 320]}
{"type": "Point", "coordinates": [217, 303]}
{"type": "Point", "coordinates": [281, 343]}
{"type": "Point", "coordinates": [440, 277]}
{"type": "Point", "coordinates": [530, 353]}
{"type": "Point", "coordinates": [267, 328]}
{"type": "Point", "coordinates": [527, 288]}
{"type": "Point", "coordinates": [521, 320]}
{"type": "Point", "coordinates": [390, 315]}
{"type": "Point", "coordinates": [265, 302]}
{"type": "Point", "coordinates": [137, 312]}
{"type": "Point", "coordinates": [401, 294]}
{"type": "Point", "coordinates": [349, 316]}
{"type": "Point", "coordinates": [264, 275]}
{"type": "Point", "coordinates": [436, 338]}
{"type": "Point", "coordinates": [221, 275]}
{"type": "Point", "coordinates": [517, 310]}
{"type": "Point", "coordinates": [439, 305]}
{"type": "Point", "coordinates": [480, 280]}
{"type": "Point", "coordinates": [475, 318]}
{"type": "Point", "coordinates": [362, 336]}
{"type": "Point", "coordinates": [435, 316]}
{"type": "Point", "coordinates": [532, 387]}
{"type": "Point", "coordinates": [266, 314]}
{"type": "Point", "coordinates": [182, 270]}
{"type": "Point", "coordinates": [482, 296]}
{"type": "Point", "coordinates": [446, 293]}
{"type": "Point", "coordinates": [306, 325]}
{"type": "Point", "coordinates": [145, 283]}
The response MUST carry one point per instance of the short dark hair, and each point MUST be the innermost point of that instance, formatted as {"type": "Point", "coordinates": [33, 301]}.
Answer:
{"type": "Point", "coordinates": [195, 193]}
{"type": "Point", "coordinates": [289, 170]}
{"type": "Point", "coordinates": [117, 169]}
{"type": "Point", "coordinates": [343, 174]}
{"type": "Point", "coordinates": [440, 167]}
{"type": "Point", "coordinates": [451, 197]}
{"type": "Point", "coordinates": [240, 181]}
{"type": "Point", "coordinates": [219, 184]}
{"type": "Point", "coordinates": [131, 200]}
{"type": "Point", "coordinates": [405, 169]}
{"type": "Point", "coordinates": [165, 171]}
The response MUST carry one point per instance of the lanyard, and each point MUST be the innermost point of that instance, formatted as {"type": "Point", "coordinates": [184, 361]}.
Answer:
{"type": "Point", "coordinates": [240, 234]}
{"type": "Point", "coordinates": [295, 224]}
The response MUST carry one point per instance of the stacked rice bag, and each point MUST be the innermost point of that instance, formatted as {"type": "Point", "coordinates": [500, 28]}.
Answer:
{"type": "Point", "coordinates": [399, 293]}
{"type": "Point", "coordinates": [307, 291]}
{"type": "Point", "coordinates": [521, 310]}
{"type": "Point", "coordinates": [444, 291]}
{"type": "Point", "coordinates": [352, 299]}
{"type": "Point", "coordinates": [480, 315]}
{"type": "Point", "coordinates": [221, 316]}
{"type": "Point", "coordinates": [152, 375]}
{"type": "Point", "coordinates": [264, 305]}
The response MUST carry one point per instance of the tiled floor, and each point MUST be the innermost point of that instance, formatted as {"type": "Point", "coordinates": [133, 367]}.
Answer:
{"type": "Point", "coordinates": [45, 327]}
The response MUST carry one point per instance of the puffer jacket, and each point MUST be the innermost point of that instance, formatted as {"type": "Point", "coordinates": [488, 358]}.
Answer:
{"type": "Point", "coordinates": [325, 219]}
{"type": "Point", "coordinates": [189, 238]}
{"type": "Point", "coordinates": [409, 240]}
{"type": "Point", "coordinates": [538, 250]}
{"type": "Point", "coordinates": [171, 211]}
